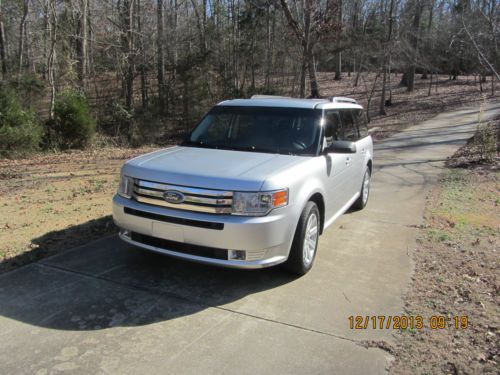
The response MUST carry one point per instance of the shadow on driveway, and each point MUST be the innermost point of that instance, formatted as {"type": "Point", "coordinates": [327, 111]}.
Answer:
{"type": "Point", "coordinates": [109, 283]}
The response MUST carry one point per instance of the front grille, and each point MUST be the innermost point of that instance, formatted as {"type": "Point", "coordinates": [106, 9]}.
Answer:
{"type": "Point", "coordinates": [174, 220]}
{"type": "Point", "coordinates": [195, 199]}
{"type": "Point", "coordinates": [180, 247]}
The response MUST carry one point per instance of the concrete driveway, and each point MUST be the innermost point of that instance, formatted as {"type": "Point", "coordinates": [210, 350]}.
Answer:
{"type": "Point", "coordinates": [109, 308]}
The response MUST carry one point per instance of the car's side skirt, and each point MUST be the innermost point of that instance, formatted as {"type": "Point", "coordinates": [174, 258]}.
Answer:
{"type": "Point", "coordinates": [341, 211]}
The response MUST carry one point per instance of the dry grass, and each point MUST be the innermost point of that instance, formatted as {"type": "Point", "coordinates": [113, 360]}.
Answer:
{"type": "Point", "coordinates": [456, 270]}
{"type": "Point", "coordinates": [53, 202]}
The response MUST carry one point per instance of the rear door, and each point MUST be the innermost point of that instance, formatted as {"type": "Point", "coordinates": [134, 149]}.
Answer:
{"type": "Point", "coordinates": [337, 166]}
{"type": "Point", "coordinates": [350, 132]}
{"type": "Point", "coordinates": [364, 144]}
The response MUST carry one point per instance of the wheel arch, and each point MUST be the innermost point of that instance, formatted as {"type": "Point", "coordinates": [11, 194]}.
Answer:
{"type": "Point", "coordinates": [370, 165]}
{"type": "Point", "coordinates": [320, 202]}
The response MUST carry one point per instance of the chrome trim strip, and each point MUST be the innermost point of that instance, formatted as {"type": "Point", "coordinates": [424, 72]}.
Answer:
{"type": "Point", "coordinates": [188, 198]}
{"type": "Point", "coordinates": [182, 206]}
{"type": "Point", "coordinates": [184, 189]}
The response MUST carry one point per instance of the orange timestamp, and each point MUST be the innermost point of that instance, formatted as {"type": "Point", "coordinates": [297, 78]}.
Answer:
{"type": "Point", "coordinates": [407, 322]}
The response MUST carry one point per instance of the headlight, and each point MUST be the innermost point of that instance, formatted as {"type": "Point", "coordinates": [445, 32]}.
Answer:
{"type": "Point", "coordinates": [258, 204]}
{"type": "Point", "coordinates": [126, 187]}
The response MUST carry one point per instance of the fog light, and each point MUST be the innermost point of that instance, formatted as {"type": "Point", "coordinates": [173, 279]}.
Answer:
{"type": "Point", "coordinates": [125, 232]}
{"type": "Point", "coordinates": [236, 255]}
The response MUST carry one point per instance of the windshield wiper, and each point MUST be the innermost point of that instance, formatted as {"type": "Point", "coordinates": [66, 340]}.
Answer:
{"type": "Point", "coordinates": [228, 147]}
{"type": "Point", "coordinates": [254, 149]}
{"type": "Point", "coordinates": [198, 144]}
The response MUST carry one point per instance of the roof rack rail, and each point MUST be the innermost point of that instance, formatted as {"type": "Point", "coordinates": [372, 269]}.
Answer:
{"type": "Point", "coordinates": [269, 97]}
{"type": "Point", "coordinates": [342, 99]}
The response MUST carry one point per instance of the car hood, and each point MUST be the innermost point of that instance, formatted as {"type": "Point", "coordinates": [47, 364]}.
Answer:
{"type": "Point", "coordinates": [209, 168]}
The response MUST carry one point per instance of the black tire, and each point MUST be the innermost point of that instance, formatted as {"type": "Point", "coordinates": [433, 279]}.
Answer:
{"type": "Point", "coordinates": [296, 262]}
{"type": "Point", "coordinates": [360, 203]}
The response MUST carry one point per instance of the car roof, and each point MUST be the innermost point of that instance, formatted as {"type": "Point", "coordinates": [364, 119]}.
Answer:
{"type": "Point", "coordinates": [284, 102]}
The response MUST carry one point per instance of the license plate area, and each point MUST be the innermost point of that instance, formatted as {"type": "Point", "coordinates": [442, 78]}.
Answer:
{"type": "Point", "coordinates": [168, 232]}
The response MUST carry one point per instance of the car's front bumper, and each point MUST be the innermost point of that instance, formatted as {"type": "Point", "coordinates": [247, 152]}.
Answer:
{"type": "Point", "coordinates": [266, 240]}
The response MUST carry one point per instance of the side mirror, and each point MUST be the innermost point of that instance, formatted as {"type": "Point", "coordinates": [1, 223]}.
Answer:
{"type": "Point", "coordinates": [341, 147]}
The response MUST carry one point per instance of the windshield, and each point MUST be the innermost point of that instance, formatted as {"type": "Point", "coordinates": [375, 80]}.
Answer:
{"type": "Point", "coordinates": [291, 131]}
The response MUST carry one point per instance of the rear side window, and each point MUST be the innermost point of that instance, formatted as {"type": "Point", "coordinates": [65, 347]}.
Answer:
{"type": "Point", "coordinates": [360, 118]}
{"type": "Point", "coordinates": [349, 125]}
{"type": "Point", "coordinates": [332, 127]}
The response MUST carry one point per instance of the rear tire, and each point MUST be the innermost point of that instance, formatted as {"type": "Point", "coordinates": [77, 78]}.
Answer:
{"type": "Point", "coordinates": [364, 192]}
{"type": "Point", "coordinates": [305, 241]}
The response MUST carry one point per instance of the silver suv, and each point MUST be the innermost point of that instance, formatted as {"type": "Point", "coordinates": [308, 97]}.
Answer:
{"type": "Point", "coordinates": [254, 184]}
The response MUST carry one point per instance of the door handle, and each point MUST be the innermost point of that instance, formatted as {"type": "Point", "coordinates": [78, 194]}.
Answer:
{"type": "Point", "coordinates": [363, 150]}
{"type": "Point", "coordinates": [348, 161]}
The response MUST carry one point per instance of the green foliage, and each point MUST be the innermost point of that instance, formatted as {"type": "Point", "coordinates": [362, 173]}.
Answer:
{"type": "Point", "coordinates": [19, 131]}
{"type": "Point", "coordinates": [73, 125]}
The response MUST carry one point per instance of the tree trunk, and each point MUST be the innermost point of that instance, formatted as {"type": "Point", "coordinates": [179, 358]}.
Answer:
{"type": "Point", "coordinates": [338, 66]}
{"type": "Point", "coordinates": [414, 38]}
{"type": "Point", "coordinates": [269, 47]}
{"type": "Point", "coordinates": [160, 63]}
{"type": "Point", "coordinates": [89, 63]}
{"type": "Point", "coordinates": [387, 58]}
{"type": "Point", "coordinates": [338, 56]}
{"type": "Point", "coordinates": [82, 42]}
{"type": "Point", "coordinates": [3, 56]}
{"type": "Point", "coordinates": [144, 83]}
{"type": "Point", "coordinates": [389, 101]}
{"type": "Point", "coordinates": [382, 111]}
{"type": "Point", "coordinates": [302, 84]}
{"type": "Point", "coordinates": [312, 75]}
{"type": "Point", "coordinates": [22, 34]}
{"type": "Point", "coordinates": [369, 95]}
{"type": "Point", "coordinates": [46, 37]}
{"type": "Point", "coordinates": [51, 63]}
{"type": "Point", "coordinates": [430, 86]}
{"type": "Point", "coordinates": [127, 48]}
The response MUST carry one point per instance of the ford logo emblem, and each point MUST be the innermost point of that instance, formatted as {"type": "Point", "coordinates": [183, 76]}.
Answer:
{"type": "Point", "coordinates": [172, 196]}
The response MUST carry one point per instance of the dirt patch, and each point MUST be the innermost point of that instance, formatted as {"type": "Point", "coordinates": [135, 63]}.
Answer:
{"type": "Point", "coordinates": [49, 203]}
{"type": "Point", "coordinates": [456, 275]}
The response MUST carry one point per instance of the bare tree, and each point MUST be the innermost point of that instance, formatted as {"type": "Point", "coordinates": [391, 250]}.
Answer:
{"type": "Point", "coordinates": [3, 47]}
{"type": "Point", "coordinates": [22, 34]}
{"type": "Point", "coordinates": [338, 66]}
{"type": "Point", "coordinates": [387, 59]}
{"type": "Point", "coordinates": [414, 39]}
{"type": "Point", "coordinates": [50, 9]}
{"type": "Point", "coordinates": [481, 56]}
{"type": "Point", "coordinates": [127, 15]}
{"type": "Point", "coordinates": [160, 55]}
{"type": "Point", "coordinates": [318, 24]}
{"type": "Point", "coordinates": [82, 41]}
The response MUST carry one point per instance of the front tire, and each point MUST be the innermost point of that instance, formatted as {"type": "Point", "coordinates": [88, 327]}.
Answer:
{"type": "Point", "coordinates": [305, 241]}
{"type": "Point", "coordinates": [364, 193]}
